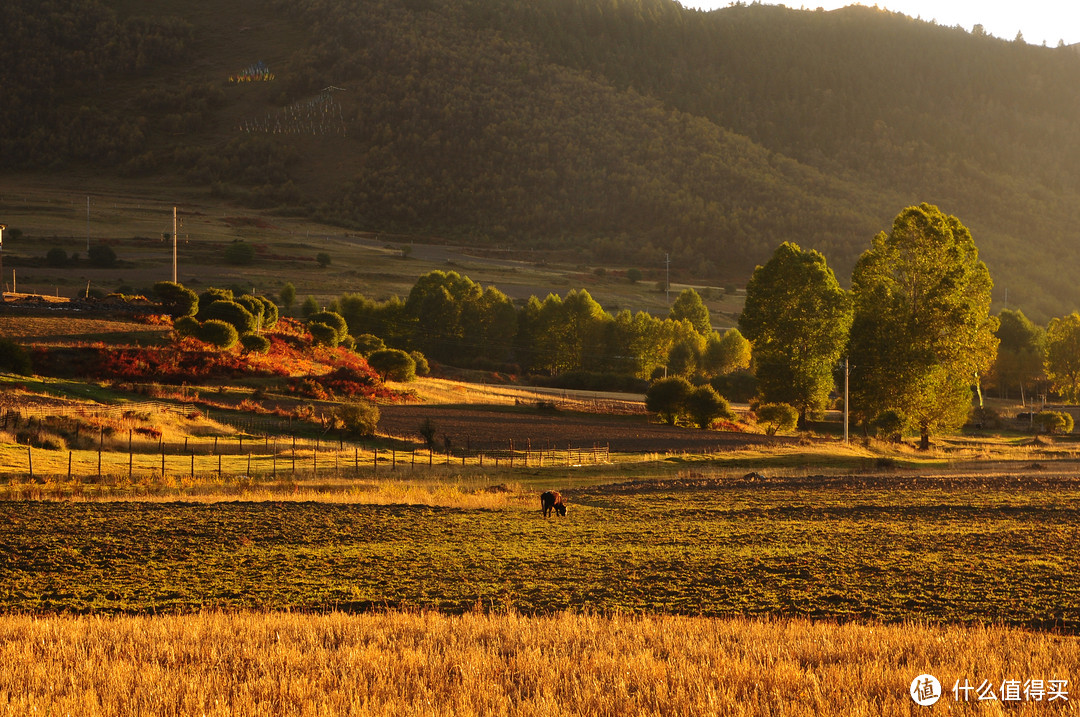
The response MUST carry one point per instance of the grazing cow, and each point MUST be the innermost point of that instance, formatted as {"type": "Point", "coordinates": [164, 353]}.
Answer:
{"type": "Point", "coordinates": [551, 500]}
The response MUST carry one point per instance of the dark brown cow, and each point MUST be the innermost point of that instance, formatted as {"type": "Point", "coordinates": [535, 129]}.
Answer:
{"type": "Point", "coordinates": [551, 500]}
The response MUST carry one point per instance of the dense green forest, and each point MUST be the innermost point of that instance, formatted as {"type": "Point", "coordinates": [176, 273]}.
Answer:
{"type": "Point", "coordinates": [632, 128]}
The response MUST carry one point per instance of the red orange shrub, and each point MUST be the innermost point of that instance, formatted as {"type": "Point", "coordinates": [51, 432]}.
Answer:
{"type": "Point", "coordinates": [314, 371]}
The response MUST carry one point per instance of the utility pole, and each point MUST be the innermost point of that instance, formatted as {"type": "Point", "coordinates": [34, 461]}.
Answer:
{"type": "Point", "coordinates": [847, 373]}
{"type": "Point", "coordinates": [667, 281]}
{"type": "Point", "coordinates": [2, 228]}
{"type": "Point", "coordinates": [174, 244]}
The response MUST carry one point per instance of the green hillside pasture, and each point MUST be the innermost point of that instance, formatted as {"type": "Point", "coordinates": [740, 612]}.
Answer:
{"type": "Point", "coordinates": [51, 216]}
{"type": "Point", "coordinates": [974, 550]}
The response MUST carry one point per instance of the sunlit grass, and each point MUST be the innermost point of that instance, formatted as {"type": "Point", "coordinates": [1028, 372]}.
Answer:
{"type": "Point", "coordinates": [413, 663]}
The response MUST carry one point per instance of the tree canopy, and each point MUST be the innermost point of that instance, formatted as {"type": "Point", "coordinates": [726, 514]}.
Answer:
{"type": "Point", "coordinates": [922, 334]}
{"type": "Point", "coordinates": [688, 306]}
{"type": "Point", "coordinates": [1021, 352]}
{"type": "Point", "coordinates": [796, 317]}
{"type": "Point", "coordinates": [1063, 355]}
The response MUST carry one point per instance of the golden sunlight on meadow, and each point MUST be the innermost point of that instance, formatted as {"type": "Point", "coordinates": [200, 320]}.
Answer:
{"type": "Point", "coordinates": [422, 663]}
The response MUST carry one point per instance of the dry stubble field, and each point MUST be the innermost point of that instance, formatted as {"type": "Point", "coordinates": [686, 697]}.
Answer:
{"type": "Point", "coordinates": [423, 663]}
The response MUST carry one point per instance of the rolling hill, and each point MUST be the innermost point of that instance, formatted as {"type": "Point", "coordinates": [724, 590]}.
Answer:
{"type": "Point", "coordinates": [625, 129]}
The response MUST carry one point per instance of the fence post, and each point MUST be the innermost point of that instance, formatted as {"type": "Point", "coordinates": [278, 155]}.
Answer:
{"type": "Point", "coordinates": [100, 445]}
{"type": "Point", "coordinates": [293, 453]}
{"type": "Point", "coordinates": [69, 466]}
{"type": "Point", "coordinates": [511, 452]}
{"type": "Point", "coordinates": [193, 465]}
{"type": "Point", "coordinates": [163, 460]}
{"type": "Point", "coordinates": [30, 460]}
{"type": "Point", "coordinates": [218, 466]}
{"type": "Point", "coordinates": [375, 462]}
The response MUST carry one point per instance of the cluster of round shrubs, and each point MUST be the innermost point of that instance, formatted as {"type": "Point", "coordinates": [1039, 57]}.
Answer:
{"type": "Point", "coordinates": [222, 319]}
{"type": "Point", "coordinates": [218, 317]}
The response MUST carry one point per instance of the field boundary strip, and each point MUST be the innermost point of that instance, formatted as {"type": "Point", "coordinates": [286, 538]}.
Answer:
{"type": "Point", "coordinates": [104, 409]}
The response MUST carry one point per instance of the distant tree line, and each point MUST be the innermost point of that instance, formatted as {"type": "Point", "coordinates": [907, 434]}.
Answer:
{"type": "Point", "coordinates": [453, 320]}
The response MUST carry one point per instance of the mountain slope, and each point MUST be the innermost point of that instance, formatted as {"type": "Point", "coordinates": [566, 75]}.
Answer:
{"type": "Point", "coordinates": [630, 128]}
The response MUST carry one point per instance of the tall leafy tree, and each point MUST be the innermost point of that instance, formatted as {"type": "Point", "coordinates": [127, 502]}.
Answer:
{"type": "Point", "coordinates": [434, 308]}
{"type": "Point", "coordinates": [489, 322]}
{"type": "Point", "coordinates": [1020, 354]}
{"type": "Point", "coordinates": [796, 318]}
{"type": "Point", "coordinates": [922, 333]}
{"type": "Point", "coordinates": [1063, 356]}
{"type": "Point", "coordinates": [689, 306]}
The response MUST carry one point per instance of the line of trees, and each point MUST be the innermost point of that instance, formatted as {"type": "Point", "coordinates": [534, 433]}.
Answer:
{"type": "Point", "coordinates": [916, 326]}
{"type": "Point", "coordinates": [916, 329]}
{"type": "Point", "coordinates": [454, 320]}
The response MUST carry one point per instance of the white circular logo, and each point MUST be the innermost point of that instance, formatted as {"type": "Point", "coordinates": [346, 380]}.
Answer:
{"type": "Point", "coordinates": [925, 690]}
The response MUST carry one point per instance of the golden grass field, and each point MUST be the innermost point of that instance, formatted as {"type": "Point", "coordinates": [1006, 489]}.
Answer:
{"type": "Point", "coordinates": [423, 663]}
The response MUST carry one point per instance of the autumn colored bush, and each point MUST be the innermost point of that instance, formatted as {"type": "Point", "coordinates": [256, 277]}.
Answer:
{"type": "Point", "coordinates": [314, 371]}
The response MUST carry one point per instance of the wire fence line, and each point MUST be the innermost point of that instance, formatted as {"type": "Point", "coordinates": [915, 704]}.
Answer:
{"type": "Point", "coordinates": [265, 459]}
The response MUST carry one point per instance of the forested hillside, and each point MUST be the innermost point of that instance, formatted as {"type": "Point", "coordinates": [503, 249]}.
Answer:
{"type": "Point", "coordinates": [631, 128]}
